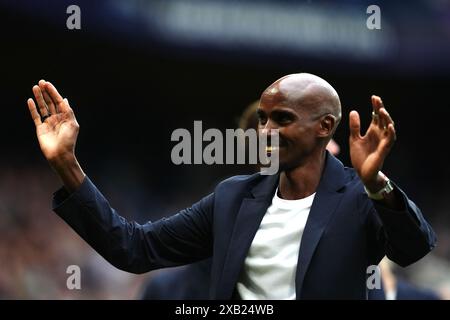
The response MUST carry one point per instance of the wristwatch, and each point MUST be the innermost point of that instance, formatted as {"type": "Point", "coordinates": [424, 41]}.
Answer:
{"type": "Point", "coordinates": [381, 194]}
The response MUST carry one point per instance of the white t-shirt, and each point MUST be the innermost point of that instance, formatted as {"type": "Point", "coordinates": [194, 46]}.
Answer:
{"type": "Point", "coordinates": [271, 264]}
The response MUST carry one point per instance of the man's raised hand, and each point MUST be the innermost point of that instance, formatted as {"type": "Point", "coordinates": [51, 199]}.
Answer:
{"type": "Point", "coordinates": [57, 130]}
{"type": "Point", "coordinates": [368, 152]}
{"type": "Point", "coordinates": [56, 125]}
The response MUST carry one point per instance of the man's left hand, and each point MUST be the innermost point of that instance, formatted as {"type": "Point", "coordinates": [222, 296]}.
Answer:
{"type": "Point", "coordinates": [369, 151]}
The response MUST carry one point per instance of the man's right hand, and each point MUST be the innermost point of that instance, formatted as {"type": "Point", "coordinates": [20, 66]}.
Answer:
{"type": "Point", "coordinates": [57, 130]}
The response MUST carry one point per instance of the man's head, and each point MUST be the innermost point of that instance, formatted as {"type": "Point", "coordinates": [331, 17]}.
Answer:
{"type": "Point", "coordinates": [306, 110]}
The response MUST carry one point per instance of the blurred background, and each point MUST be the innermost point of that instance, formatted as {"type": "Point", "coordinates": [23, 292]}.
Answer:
{"type": "Point", "coordinates": [139, 69]}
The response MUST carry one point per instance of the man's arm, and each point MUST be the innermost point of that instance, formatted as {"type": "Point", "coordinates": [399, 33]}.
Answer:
{"type": "Point", "coordinates": [403, 235]}
{"type": "Point", "coordinates": [180, 239]}
{"type": "Point", "coordinates": [183, 238]}
{"type": "Point", "coordinates": [400, 229]}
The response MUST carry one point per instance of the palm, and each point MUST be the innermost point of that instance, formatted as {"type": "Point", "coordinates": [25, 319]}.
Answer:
{"type": "Point", "coordinates": [57, 135]}
{"type": "Point", "coordinates": [368, 152]}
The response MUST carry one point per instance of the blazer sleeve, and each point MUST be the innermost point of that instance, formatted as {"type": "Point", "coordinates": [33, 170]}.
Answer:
{"type": "Point", "coordinates": [403, 236]}
{"type": "Point", "coordinates": [182, 238]}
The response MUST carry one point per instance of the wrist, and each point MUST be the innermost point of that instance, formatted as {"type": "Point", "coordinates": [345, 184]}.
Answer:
{"type": "Point", "coordinates": [380, 193]}
{"type": "Point", "coordinates": [69, 171]}
{"type": "Point", "coordinates": [376, 184]}
{"type": "Point", "coordinates": [63, 161]}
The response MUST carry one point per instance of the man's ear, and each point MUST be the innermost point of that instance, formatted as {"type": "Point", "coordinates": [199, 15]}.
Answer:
{"type": "Point", "coordinates": [326, 125]}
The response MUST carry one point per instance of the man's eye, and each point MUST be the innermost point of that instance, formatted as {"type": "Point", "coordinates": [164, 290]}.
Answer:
{"type": "Point", "coordinates": [284, 119]}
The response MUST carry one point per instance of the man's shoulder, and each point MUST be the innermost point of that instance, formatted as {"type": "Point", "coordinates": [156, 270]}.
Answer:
{"type": "Point", "coordinates": [240, 181]}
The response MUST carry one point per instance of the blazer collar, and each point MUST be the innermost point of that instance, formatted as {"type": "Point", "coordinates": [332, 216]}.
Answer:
{"type": "Point", "coordinates": [333, 175]}
{"type": "Point", "coordinates": [266, 187]}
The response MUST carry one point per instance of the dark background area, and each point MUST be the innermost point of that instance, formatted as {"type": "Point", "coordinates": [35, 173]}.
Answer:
{"type": "Point", "coordinates": [129, 92]}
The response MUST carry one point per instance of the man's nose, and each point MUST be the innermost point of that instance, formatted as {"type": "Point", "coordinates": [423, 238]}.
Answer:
{"type": "Point", "coordinates": [270, 133]}
{"type": "Point", "coordinates": [268, 127]}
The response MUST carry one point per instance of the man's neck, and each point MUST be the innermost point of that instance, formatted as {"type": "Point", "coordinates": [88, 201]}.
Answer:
{"type": "Point", "coordinates": [303, 180]}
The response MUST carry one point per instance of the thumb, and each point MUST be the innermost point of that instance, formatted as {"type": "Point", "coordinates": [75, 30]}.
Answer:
{"type": "Point", "coordinates": [355, 125]}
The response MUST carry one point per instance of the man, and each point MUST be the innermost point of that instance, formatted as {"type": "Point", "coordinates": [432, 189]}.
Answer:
{"type": "Point", "coordinates": [308, 232]}
{"type": "Point", "coordinates": [192, 281]}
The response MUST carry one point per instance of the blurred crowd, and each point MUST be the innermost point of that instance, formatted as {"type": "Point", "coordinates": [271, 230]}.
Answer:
{"type": "Point", "coordinates": [36, 246]}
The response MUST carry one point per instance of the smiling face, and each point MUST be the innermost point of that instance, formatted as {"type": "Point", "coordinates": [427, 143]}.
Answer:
{"type": "Point", "coordinates": [306, 110]}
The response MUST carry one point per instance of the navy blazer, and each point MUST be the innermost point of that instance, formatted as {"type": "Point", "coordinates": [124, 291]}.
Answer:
{"type": "Point", "coordinates": [345, 232]}
{"type": "Point", "coordinates": [189, 282]}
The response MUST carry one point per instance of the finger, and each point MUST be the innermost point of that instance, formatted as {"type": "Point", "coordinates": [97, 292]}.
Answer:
{"type": "Point", "coordinates": [387, 143]}
{"type": "Point", "coordinates": [392, 134]}
{"type": "Point", "coordinates": [384, 120]}
{"type": "Point", "coordinates": [355, 125]}
{"type": "Point", "coordinates": [65, 105]}
{"type": "Point", "coordinates": [61, 104]}
{"type": "Point", "coordinates": [376, 103]}
{"type": "Point", "coordinates": [48, 100]}
{"type": "Point", "coordinates": [386, 116]}
{"type": "Point", "coordinates": [43, 109]}
{"type": "Point", "coordinates": [51, 105]}
{"type": "Point", "coordinates": [56, 97]}
{"type": "Point", "coordinates": [34, 113]}
{"type": "Point", "coordinates": [382, 123]}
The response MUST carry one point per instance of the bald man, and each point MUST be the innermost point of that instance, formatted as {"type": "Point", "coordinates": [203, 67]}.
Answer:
{"type": "Point", "coordinates": [308, 232]}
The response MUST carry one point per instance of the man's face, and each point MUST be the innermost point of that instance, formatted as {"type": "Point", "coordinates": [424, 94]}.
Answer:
{"type": "Point", "coordinates": [297, 128]}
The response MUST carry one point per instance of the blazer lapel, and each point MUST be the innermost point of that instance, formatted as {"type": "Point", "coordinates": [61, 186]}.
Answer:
{"type": "Point", "coordinates": [325, 203]}
{"type": "Point", "coordinates": [247, 222]}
